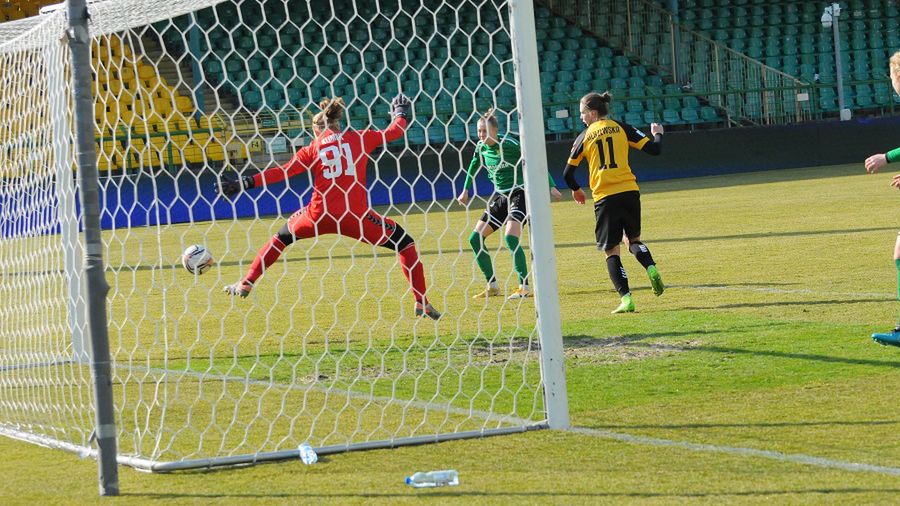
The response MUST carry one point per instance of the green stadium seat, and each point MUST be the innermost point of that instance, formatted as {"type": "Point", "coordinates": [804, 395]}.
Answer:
{"type": "Point", "coordinates": [863, 96]}
{"type": "Point", "coordinates": [882, 93]}
{"type": "Point", "coordinates": [708, 114]}
{"type": "Point", "coordinates": [671, 117]}
{"type": "Point", "coordinates": [689, 115]}
{"type": "Point", "coordinates": [634, 118]}
{"type": "Point", "coordinates": [557, 125]}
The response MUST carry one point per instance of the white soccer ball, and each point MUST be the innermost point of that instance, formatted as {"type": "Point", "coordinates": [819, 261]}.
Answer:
{"type": "Point", "coordinates": [196, 259]}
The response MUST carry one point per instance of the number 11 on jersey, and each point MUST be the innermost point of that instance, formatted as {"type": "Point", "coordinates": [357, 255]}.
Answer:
{"type": "Point", "coordinates": [603, 155]}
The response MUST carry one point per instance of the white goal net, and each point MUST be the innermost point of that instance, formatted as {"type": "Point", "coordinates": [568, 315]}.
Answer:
{"type": "Point", "coordinates": [326, 349]}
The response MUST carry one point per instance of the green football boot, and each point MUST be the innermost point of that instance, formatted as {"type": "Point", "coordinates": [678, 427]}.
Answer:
{"type": "Point", "coordinates": [891, 338]}
{"type": "Point", "coordinates": [656, 280]}
{"type": "Point", "coordinates": [627, 305]}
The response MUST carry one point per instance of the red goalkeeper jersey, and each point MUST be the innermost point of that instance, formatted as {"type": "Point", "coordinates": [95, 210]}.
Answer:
{"type": "Point", "coordinates": [337, 161]}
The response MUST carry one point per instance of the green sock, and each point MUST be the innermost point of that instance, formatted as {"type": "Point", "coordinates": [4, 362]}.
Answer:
{"type": "Point", "coordinates": [897, 263]}
{"type": "Point", "coordinates": [518, 254]}
{"type": "Point", "coordinates": [482, 257]}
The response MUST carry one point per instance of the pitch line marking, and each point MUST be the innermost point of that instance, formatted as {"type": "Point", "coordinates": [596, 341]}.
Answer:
{"type": "Point", "coordinates": [795, 458]}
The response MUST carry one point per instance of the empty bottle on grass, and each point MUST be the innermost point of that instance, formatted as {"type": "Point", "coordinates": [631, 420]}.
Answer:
{"type": "Point", "coordinates": [307, 454]}
{"type": "Point", "coordinates": [433, 479]}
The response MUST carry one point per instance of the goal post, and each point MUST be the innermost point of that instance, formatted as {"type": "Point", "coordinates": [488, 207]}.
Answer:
{"type": "Point", "coordinates": [326, 348]}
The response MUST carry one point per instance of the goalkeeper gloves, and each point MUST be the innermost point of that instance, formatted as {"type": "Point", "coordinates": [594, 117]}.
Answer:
{"type": "Point", "coordinates": [232, 188]}
{"type": "Point", "coordinates": [401, 107]}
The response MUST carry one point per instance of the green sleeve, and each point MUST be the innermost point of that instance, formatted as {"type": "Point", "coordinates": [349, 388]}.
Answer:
{"type": "Point", "coordinates": [893, 155]}
{"type": "Point", "coordinates": [550, 177]}
{"type": "Point", "coordinates": [474, 165]}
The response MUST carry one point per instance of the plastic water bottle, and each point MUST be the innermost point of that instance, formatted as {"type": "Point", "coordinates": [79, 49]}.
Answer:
{"type": "Point", "coordinates": [447, 478]}
{"type": "Point", "coordinates": [307, 454]}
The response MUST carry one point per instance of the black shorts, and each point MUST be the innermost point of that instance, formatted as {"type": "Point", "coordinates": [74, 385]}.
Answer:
{"type": "Point", "coordinates": [617, 214]}
{"type": "Point", "coordinates": [505, 205]}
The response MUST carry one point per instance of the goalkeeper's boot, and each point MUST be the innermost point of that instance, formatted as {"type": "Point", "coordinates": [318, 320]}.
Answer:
{"type": "Point", "coordinates": [522, 293]}
{"type": "Point", "coordinates": [656, 280]}
{"type": "Point", "coordinates": [492, 290]}
{"type": "Point", "coordinates": [241, 288]}
{"type": "Point", "coordinates": [427, 310]}
{"type": "Point", "coordinates": [627, 305]}
{"type": "Point", "coordinates": [891, 338]}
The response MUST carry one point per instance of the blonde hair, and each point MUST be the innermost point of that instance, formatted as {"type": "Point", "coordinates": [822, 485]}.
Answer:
{"type": "Point", "coordinates": [330, 115]}
{"type": "Point", "coordinates": [895, 64]}
{"type": "Point", "coordinates": [490, 119]}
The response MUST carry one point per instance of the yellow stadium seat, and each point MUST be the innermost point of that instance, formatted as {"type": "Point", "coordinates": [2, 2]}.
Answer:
{"type": "Point", "coordinates": [146, 72]}
{"type": "Point", "coordinates": [215, 152]}
{"type": "Point", "coordinates": [184, 104]}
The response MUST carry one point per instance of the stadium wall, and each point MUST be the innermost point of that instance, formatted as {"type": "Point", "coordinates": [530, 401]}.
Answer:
{"type": "Point", "coordinates": [129, 199]}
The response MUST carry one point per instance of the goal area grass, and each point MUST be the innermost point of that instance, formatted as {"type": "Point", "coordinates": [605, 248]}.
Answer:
{"type": "Point", "coordinates": [751, 379]}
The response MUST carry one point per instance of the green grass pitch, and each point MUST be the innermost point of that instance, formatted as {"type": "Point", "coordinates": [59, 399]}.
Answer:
{"type": "Point", "coordinates": [775, 281]}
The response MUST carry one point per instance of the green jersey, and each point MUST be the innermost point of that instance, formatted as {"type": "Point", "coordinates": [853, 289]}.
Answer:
{"type": "Point", "coordinates": [893, 155]}
{"type": "Point", "coordinates": [503, 162]}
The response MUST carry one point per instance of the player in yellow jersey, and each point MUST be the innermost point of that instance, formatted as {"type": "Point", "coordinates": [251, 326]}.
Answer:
{"type": "Point", "coordinates": [617, 199]}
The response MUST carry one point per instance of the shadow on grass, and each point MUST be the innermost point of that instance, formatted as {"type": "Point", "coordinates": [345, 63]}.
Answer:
{"type": "Point", "coordinates": [893, 364]}
{"type": "Point", "coordinates": [827, 423]}
{"type": "Point", "coordinates": [741, 237]}
{"type": "Point", "coordinates": [610, 289]}
{"type": "Point", "coordinates": [450, 494]}
{"type": "Point", "coordinates": [780, 303]}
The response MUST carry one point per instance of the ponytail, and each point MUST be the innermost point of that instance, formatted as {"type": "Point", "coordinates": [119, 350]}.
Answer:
{"type": "Point", "coordinates": [597, 102]}
{"type": "Point", "coordinates": [331, 114]}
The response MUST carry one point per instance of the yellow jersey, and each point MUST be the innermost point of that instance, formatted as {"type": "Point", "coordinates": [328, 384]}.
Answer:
{"type": "Point", "coordinates": [605, 144]}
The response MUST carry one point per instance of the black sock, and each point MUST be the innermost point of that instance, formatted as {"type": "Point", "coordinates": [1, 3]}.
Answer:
{"type": "Point", "coordinates": [642, 253]}
{"type": "Point", "coordinates": [617, 274]}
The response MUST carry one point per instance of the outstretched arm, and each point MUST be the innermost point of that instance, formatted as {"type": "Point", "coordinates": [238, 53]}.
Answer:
{"type": "Point", "coordinates": [300, 162]}
{"type": "Point", "coordinates": [401, 112]}
{"type": "Point", "coordinates": [875, 162]}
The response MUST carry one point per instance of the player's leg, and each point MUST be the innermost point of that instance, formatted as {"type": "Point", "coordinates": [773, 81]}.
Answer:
{"type": "Point", "coordinates": [608, 233]}
{"type": "Point", "coordinates": [893, 337]}
{"type": "Point", "coordinates": [491, 220]}
{"type": "Point", "coordinates": [632, 223]}
{"type": "Point", "coordinates": [517, 217]}
{"type": "Point", "coordinates": [381, 231]}
{"type": "Point", "coordinates": [298, 226]}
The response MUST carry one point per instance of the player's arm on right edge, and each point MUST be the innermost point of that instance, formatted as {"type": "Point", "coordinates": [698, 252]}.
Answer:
{"type": "Point", "coordinates": [875, 162]}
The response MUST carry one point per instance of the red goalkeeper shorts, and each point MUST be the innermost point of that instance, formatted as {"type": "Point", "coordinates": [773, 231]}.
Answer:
{"type": "Point", "coordinates": [369, 227]}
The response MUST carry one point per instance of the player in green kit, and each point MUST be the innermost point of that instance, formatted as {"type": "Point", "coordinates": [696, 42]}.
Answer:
{"type": "Point", "coordinates": [502, 160]}
{"type": "Point", "coordinates": [873, 164]}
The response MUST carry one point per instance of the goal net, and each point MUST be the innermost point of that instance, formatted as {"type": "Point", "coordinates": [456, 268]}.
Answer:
{"type": "Point", "coordinates": [326, 349]}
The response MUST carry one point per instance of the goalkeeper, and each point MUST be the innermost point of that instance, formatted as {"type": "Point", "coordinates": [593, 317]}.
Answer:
{"type": "Point", "coordinates": [873, 164]}
{"type": "Point", "coordinates": [337, 160]}
{"type": "Point", "coordinates": [502, 159]}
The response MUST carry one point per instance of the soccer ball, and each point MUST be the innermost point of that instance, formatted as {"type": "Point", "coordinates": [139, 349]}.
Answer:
{"type": "Point", "coordinates": [196, 259]}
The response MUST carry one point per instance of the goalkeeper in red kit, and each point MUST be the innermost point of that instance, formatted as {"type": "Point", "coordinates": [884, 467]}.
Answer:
{"type": "Point", "coordinates": [337, 160]}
